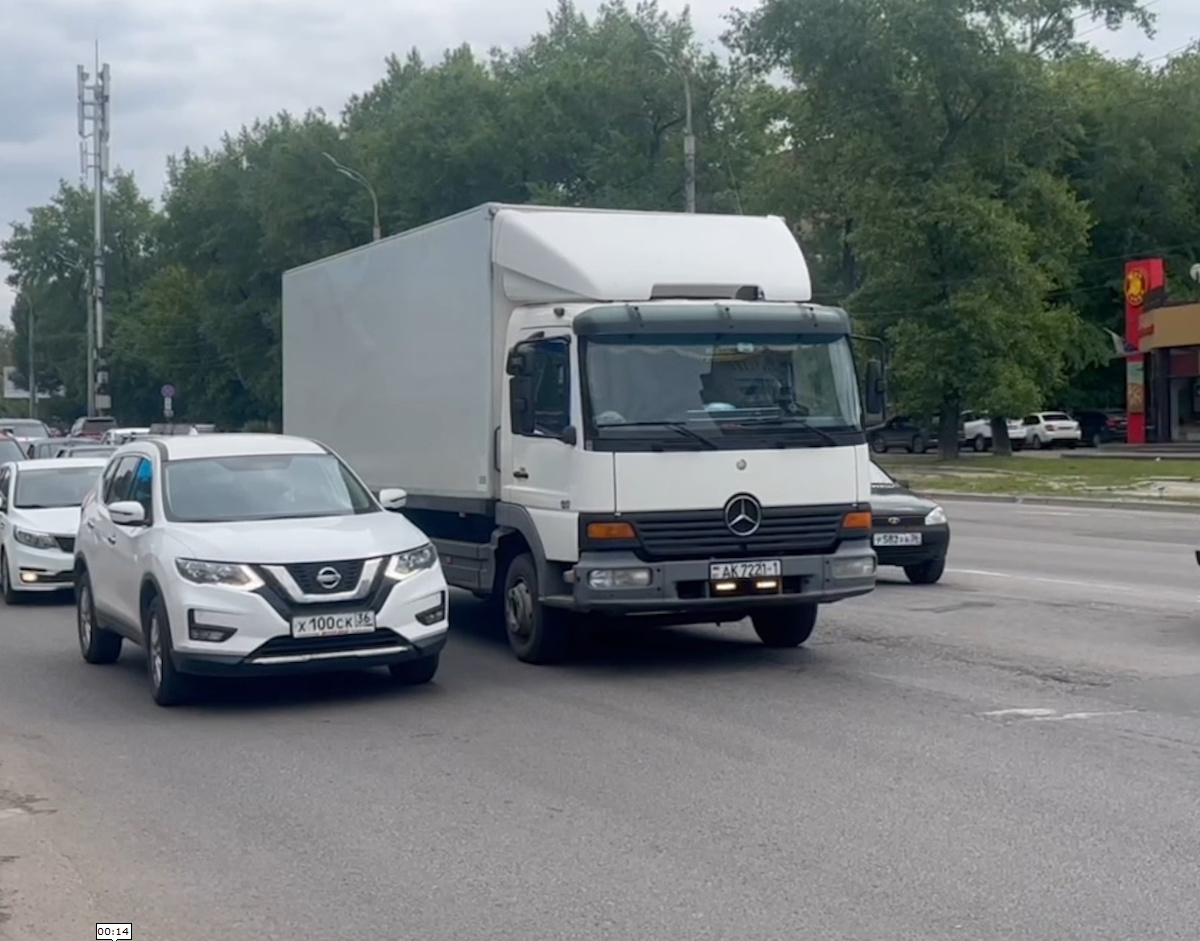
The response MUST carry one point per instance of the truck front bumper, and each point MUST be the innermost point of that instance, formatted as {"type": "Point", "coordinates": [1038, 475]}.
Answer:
{"type": "Point", "coordinates": [684, 586]}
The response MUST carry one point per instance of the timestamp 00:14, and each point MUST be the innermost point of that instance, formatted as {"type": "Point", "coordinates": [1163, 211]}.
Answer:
{"type": "Point", "coordinates": [114, 931]}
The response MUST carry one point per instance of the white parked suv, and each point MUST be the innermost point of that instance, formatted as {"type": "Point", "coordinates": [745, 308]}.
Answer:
{"type": "Point", "coordinates": [39, 515]}
{"type": "Point", "coordinates": [1047, 429]}
{"type": "Point", "coordinates": [253, 555]}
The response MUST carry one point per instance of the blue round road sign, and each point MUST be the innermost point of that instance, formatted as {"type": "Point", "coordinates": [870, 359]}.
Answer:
{"type": "Point", "coordinates": [168, 392]}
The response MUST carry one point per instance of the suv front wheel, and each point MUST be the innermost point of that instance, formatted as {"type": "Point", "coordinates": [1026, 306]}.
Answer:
{"type": "Point", "coordinates": [96, 643]}
{"type": "Point", "coordinates": [168, 686]}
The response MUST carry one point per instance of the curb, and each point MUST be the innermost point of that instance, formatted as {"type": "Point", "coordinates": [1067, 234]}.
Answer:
{"type": "Point", "coordinates": [1161, 506]}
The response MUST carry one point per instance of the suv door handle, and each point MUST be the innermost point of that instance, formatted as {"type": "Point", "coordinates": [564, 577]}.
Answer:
{"type": "Point", "coordinates": [111, 540]}
{"type": "Point", "coordinates": [521, 474]}
{"type": "Point", "coordinates": [91, 524]}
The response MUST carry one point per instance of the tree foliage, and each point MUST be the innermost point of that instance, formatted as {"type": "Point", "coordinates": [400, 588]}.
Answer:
{"type": "Point", "coordinates": [967, 176]}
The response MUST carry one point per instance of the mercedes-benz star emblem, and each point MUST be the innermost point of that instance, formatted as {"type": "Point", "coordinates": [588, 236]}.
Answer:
{"type": "Point", "coordinates": [329, 578]}
{"type": "Point", "coordinates": [743, 515]}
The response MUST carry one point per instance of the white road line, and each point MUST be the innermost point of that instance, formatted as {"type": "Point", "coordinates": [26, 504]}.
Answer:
{"type": "Point", "coordinates": [1071, 582]}
{"type": "Point", "coordinates": [1082, 715]}
{"type": "Point", "coordinates": [1019, 713]}
{"type": "Point", "coordinates": [1051, 715]}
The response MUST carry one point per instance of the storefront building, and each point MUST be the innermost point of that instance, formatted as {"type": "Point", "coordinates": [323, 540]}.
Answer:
{"type": "Point", "coordinates": [1163, 376]}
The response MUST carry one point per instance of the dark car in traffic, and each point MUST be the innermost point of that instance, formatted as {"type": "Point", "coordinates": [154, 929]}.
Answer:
{"type": "Point", "coordinates": [908, 530]}
{"type": "Point", "coordinates": [904, 433]}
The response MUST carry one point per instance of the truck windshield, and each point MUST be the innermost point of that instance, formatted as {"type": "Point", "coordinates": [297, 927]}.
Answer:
{"type": "Point", "coordinates": [705, 388]}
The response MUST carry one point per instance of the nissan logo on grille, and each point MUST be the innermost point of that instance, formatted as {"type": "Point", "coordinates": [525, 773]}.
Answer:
{"type": "Point", "coordinates": [743, 515]}
{"type": "Point", "coordinates": [329, 578]}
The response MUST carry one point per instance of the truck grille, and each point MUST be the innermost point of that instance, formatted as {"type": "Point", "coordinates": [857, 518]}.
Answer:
{"type": "Point", "coordinates": [702, 534]}
{"type": "Point", "coordinates": [305, 575]}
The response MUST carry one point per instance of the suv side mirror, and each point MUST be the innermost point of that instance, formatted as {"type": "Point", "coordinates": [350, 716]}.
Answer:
{"type": "Point", "coordinates": [127, 513]}
{"type": "Point", "coordinates": [393, 498]}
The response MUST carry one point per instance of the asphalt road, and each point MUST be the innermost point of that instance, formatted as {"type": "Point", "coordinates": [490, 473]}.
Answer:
{"type": "Point", "coordinates": [1012, 754]}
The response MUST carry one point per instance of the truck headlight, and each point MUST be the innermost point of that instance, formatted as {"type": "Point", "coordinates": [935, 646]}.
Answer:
{"type": "Point", "coordinates": [221, 574]}
{"type": "Point", "coordinates": [936, 517]}
{"type": "Point", "coordinates": [854, 567]}
{"type": "Point", "coordinates": [608, 579]}
{"type": "Point", "coordinates": [34, 540]}
{"type": "Point", "coordinates": [405, 564]}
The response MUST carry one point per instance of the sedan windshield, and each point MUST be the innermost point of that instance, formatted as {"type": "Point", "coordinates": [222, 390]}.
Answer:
{"type": "Point", "coordinates": [60, 487]}
{"type": "Point", "coordinates": [25, 428]}
{"type": "Point", "coordinates": [714, 386]}
{"type": "Point", "coordinates": [10, 450]}
{"type": "Point", "coordinates": [262, 487]}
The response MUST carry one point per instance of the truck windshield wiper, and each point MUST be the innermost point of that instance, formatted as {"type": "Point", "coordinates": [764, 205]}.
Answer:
{"type": "Point", "coordinates": [675, 426]}
{"type": "Point", "coordinates": [799, 423]}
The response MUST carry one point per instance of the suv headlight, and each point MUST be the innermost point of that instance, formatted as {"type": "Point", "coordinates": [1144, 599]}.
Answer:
{"type": "Point", "coordinates": [936, 517]}
{"type": "Point", "coordinates": [224, 574]}
{"type": "Point", "coordinates": [34, 540]}
{"type": "Point", "coordinates": [404, 564]}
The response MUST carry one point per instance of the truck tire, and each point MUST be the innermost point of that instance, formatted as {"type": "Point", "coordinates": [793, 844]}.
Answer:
{"type": "Point", "coordinates": [537, 634]}
{"type": "Point", "coordinates": [785, 627]}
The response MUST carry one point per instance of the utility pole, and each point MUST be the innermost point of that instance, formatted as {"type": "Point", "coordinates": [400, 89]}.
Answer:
{"type": "Point", "coordinates": [93, 153]}
{"type": "Point", "coordinates": [683, 69]}
{"type": "Point", "coordinates": [30, 377]}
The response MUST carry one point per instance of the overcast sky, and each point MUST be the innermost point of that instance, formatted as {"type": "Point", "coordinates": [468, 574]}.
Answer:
{"type": "Point", "coordinates": [184, 73]}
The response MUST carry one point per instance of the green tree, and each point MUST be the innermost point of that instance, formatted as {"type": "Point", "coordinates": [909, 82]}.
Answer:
{"type": "Point", "coordinates": [933, 133]}
{"type": "Point", "coordinates": [51, 259]}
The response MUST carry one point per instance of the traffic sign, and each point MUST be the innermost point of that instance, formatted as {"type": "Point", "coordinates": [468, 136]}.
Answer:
{"type": "Point", "coordinates": [168, 391]}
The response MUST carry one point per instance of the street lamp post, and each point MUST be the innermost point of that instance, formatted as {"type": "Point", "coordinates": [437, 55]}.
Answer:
{"type": "Point", "coordinates": [376, 229]}
{"type": "Point", "coordinates": [689, 133]}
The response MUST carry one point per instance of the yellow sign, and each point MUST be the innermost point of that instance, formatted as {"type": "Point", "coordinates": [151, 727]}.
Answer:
{"type": "Point", "coordinates": [1135, 287]}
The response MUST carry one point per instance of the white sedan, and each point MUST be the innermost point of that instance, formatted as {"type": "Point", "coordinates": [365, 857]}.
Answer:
{"type": "Point", "coordinates": [39, 516]}
{"type": "Point", "coordinates": [1047, 429]}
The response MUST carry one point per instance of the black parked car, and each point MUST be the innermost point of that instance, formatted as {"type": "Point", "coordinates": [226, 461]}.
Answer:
{"type": "Point", "coordinates": [902, 432]}
{"type": "Point", "coordinates": [909, 531]}
{"type": "Point", "coordinates": [1098, 427]}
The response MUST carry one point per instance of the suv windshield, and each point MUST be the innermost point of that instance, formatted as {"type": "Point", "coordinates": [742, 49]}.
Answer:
{"type": "Point", "coordinates": [44, 489]}
{"type": "Point", "coordinates": [712, 387]}
{"type": "Point", "coordinates": [262, 487]}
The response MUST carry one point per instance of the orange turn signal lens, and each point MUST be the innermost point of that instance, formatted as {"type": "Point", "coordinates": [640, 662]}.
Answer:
{"type": "Point", "coordinates": [610, 531]}
{"type": "Point", "coordinates": [859, 519]}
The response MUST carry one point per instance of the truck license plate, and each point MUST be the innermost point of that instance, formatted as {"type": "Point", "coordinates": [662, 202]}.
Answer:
{"type": "Point", "coordinates": [334, 625]}
{"type": "Point", "coordinates": [897, 539]}
{"type": "Point", "coordinates": [723, 571]}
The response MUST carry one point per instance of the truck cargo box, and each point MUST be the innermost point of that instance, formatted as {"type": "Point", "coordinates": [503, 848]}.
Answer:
{"type": "Point", "coordinates": [393, 353]}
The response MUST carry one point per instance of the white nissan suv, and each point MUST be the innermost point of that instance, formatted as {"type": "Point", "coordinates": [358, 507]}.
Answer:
{"type": "Point", "coordinates": [241, 554]}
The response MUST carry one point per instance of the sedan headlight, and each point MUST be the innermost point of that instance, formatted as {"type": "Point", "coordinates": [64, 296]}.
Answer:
{"type": "Point", "coordinates": [936, 517]}
{"type": "Point", "coordinates": [222, 574]}
{"type": "Point", "coordinates": [404, 564]}
{"type": "Point", "coordinates": [34, 540]}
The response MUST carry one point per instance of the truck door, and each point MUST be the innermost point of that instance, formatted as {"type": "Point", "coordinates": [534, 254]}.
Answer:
{"type": "Point", "coordinates": [537, 469]}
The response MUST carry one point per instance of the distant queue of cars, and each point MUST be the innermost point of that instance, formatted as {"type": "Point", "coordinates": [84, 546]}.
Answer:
{"type": "Point", "coordinates": [1038, 430]}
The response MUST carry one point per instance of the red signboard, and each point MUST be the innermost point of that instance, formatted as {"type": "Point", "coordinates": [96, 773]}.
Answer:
{"type": "Point", "coordinates": [1142, 279]}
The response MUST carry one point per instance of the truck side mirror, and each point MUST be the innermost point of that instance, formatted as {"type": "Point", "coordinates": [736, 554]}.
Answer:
{"type": "Point", "coordinates": [518, 363]}
{"type": "Point", "coordinates": [520, 405]}
{"type": "Point", "coordinates": [875, 393]}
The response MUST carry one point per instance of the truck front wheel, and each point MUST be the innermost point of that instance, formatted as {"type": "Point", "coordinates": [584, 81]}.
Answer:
{"type": "Point", "coordinates": [536, 633]}
{"type": "Point", "coordinates": [785, 627]}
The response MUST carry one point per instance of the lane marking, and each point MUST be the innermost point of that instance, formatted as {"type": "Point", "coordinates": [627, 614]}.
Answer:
{"type": "Point", "coordinates": [1067, 717]}
{"type": "Point", "coordinates": [1071, 582]}
{"type": "Point", "coordinates": [1019, 713]}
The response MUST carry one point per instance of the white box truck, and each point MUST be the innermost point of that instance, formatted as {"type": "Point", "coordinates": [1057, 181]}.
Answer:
{"type": "Point", "coordinates": [598, 412]}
